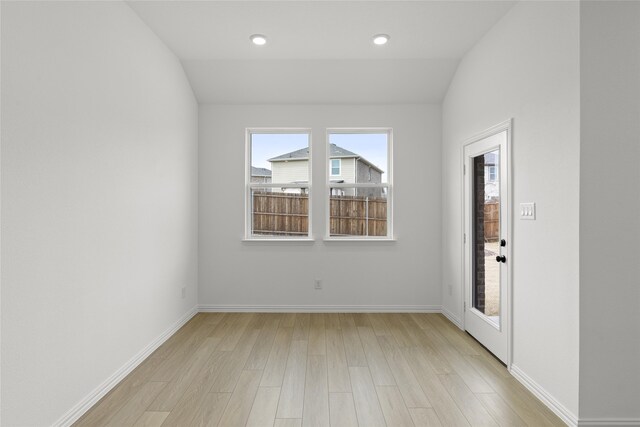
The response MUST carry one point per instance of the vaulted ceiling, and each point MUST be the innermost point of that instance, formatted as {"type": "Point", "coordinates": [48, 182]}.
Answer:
{"type": "Point", "coordinates": [320, 51]}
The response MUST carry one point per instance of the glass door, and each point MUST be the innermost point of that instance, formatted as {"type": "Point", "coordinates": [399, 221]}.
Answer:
{"type": "Point", "coordinates": [486, 242]}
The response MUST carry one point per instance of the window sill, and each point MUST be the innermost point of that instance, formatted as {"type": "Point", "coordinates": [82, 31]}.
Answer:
{"type": "Point", "coordinates": [359, 239]}
{"type": "Point", "coordinates": [305, 240]}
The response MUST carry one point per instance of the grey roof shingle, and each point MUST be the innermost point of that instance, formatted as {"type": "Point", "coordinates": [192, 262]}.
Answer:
{"type": "Point", "coordinates": [260, 171]}
{"type": "Point", "coordinates": [303, 154]}
{"type": "Point", "coordinates": [334, 153]}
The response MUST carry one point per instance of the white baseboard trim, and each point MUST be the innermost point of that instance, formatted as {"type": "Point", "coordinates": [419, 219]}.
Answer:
{"type": "Point", "coordinates": [209, 308]}
{"type": "Point", "coordinates": [85, 404]}
{"type": "Point", "coordinates": [609, 422]}
{"type": "Point", "coordinates": [452, 317]}
{"type": "Point", "coordinates": [551, 402]}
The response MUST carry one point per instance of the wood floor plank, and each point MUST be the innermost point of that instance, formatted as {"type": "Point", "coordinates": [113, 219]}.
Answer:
{"type": "Point", "coordinates": [301, 327]}
{"type": "Point", "coordinates": [342, 410]}
{"type": "Point", "coordinates": [316, 393]}
{"type": "Point", "coordinates": [288, 320]}
{"type": "Point", "coordinates": [265, 405]}
{"type": "Point", "coordinates": [338, 370]}
{"type": "Point", "coordinates": [378, 324]}
{"type": "Point", "coordinates": [230, 373]}
{"type": "Point", "coordinates": [136, 406]}
{"type": "Point", "coordinates": [151, 419]}
{"type": "Point", "coordinates": [261, 349]}
{"type": "Point", "coordinates": [273, 373]}
{"type": "Point", "coordinates": [531, 410]}
{"type": "Point", "coordinates": [406, 380]}
{"type": "Point", "coordinates": [365, 398]}
{"type": "Point", "coordinates": [352, 345]}
{"type": "Point", "coordinates": [212, 318]}
{"type": "Point", "coordinates": [241, 401]}
{"type": "Point", "coordinates": [439, 363]}
{"type": "Point", "coordinates": [471, 407]}
{"type": "Point", "coordinates": [469, 375]}
{"type": "Point", "coordinates": [361, 320]}
{"type": "Point", "coordinates": [332, 321]}
{"type": "Point", "coordinates": [442, 402]}
{"type": "Point", "coordinates": [424, 417]}
{"type": "Point", "coordinates": [393, 407]}
{"type": "Point", "coordinates": [453, 335]}
{"type": "Point", "coordinates": [197, 394]}
{"type": "Point", "coordinates": [288, 422]}
{"type": "Point", "coordinates": [236, 330]}
{"type": "Point", "coordinates": [292, 392]}
{"type": "Point", "coordinates": [103, 411]}
{"type": "Point", "coordinates": [209, 410]}
{"type": "Point", "coordinates": [376, 360]}
{"type": "Point", "coordinates": [187, 373]}
{"type": "Point", "coordinates": [175, 341]}
{"type": "Point", "coordinates": [501, 412]}
{"type": "Point", "coordinates": [187, 347]}
{"type": "Point", "coordinates": [317, 340]}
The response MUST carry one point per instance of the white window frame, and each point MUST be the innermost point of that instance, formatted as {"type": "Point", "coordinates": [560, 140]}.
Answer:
{"type": "Point", "coordinates": [387, 185]}
{"type": "Point", "coordinates": [249, 186]}
{"type": "Point", "coordinates": [339, 167]}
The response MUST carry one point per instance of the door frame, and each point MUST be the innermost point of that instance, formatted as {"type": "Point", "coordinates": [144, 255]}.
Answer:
{"type": "Point", "coordinates": [507, 126]}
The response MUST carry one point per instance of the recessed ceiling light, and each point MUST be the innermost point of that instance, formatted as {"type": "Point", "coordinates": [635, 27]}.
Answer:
{"type": "Point", "coordinates": [258, 39]}
{"type": "Point", "coordinates": [381, 39]}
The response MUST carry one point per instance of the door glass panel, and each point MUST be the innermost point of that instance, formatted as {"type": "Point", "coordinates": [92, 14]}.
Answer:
{"type": "Point", "coordinates": [486, 234]}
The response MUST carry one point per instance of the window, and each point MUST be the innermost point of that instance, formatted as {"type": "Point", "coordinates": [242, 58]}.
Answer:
{"type": "Point", "coordinates": [278, 172]}
{"type": "Point", "coordinates": [335, 167]}
{"type": "Point", "coordinates": [492, 174]}
{"type": "Point", "coordinates": [359, 205]}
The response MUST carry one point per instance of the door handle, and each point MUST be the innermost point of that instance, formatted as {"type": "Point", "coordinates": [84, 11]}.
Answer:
{"type": "Point", "coordinates": [501, 258]}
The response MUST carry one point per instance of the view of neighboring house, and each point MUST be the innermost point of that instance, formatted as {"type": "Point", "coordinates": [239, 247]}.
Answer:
{"type": "Point", "coordinates": [491, 177]}
{"type": "Point", "coordinates": [345, 167]}
{"type": "Point", "coordinates": [260, 175]}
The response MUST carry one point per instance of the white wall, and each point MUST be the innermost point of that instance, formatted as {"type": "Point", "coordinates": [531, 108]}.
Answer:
{"type": "Point", "coordinates": [99, 200]}
{"type": "Point", "coordinates": [609, 206]}
{"type": "Point", "coordinates": [402, 273]}
{"type": "Point", "coordinates": [526, 68]}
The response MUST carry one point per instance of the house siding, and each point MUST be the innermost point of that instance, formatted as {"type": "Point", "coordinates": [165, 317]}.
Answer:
{"type": "Point", "coordinates": [290, 171]}
{"type": "Point", "coordinates": [363, 177]}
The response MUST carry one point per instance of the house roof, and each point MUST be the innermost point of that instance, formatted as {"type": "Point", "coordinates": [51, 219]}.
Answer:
{"type": "Point", "coordinates": [335, 152]}
{"type": "Point", "coordinates": [260, 171]}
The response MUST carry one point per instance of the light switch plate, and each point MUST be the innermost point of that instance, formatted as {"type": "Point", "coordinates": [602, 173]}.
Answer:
{"type": "Point", "coordinates": [527, 211]}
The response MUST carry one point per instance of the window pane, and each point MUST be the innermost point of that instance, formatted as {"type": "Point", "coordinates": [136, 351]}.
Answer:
{"type": "Point", "coordinates": [281, 158]}
{"type": "Point", "coordinates": [358, 212]}
{"type": "Point", "coordinates": [280, 212]}
{"type": "Point", "coordinates": [335, 167]}
{"type": "Point", "coordinates": [363, 156]}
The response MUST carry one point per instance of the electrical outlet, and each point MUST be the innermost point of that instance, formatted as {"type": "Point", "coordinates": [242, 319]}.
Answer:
{"type": "Point", "coordinates": [184, 292]}
{"type": "Point", "coordinates": [317, 284]}
{"type": "Point", "coordinates": [450, 290]}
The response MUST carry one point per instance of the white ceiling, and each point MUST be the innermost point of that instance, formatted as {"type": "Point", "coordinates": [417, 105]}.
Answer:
{"type": "Point", "coordinates": [320, 51]}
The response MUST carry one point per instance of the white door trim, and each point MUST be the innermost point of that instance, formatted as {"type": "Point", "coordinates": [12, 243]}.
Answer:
{"type": "Point", "coordinates": [500, 127]}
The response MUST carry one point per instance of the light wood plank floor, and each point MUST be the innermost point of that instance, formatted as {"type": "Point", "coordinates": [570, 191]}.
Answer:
{"type": "Point", "coordinates": [320, 369]}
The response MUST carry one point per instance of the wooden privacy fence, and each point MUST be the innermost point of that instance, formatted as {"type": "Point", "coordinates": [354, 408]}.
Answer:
{"type": "Point", "coordinates": [287, 215]}
{"type": "Point", "coordinates": [492, 221]}
{"type": "Point", "coordinates": [357, 216]}
{"type": "Point", "coordinates": [280, 214]}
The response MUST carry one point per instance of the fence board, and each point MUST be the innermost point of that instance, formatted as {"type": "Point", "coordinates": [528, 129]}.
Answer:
{"type": "Point", "coordinates": [288, 215]}
{"type": "Point", "coordinates": [492, 221]}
